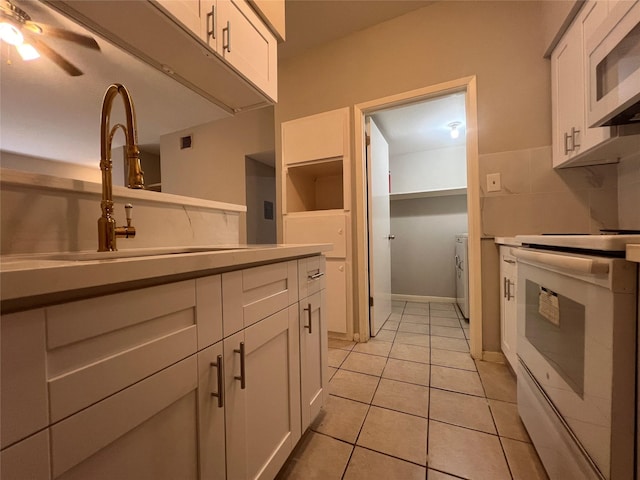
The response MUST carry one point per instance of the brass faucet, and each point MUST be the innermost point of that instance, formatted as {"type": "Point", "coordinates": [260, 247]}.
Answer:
{"type": "Point", "coordinates": [107, 229]}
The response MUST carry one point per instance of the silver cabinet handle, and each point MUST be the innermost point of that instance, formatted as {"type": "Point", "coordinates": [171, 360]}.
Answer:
{"type": "Point", "coordinates": [220, 370]}
{"type": "Point", "coordinates": [509, 283]}
{"type": "Point", "coordinates": [566, 144]}
{"type": "Point", "coordinates": [242, 377]}
{"type": "Point", "coordinates": [509, 261]}
{"type": "Point", "coordinates": [309, 327]}
{"type": "Point", "coordinates": [315, 276]}
{"type": "Point", "coordinates": [391, 237]}
{"type": "Point", "coordinates": [227, 47]}
{"type": "Point", "coordinates": [574, 134]}
{"type": "Point", "coordinates": [504, 287]}
{"type": "Point", "coordinates": [211, 23]}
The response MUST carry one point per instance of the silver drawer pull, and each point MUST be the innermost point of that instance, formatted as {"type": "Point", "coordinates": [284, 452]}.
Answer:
{"type": "Point", "coordinates": [309, 327]}
{"type": "Point", "coordinates": [315, 276]}
{"type": "Point", "coordinates": [220, 393]}
{"type": "Point", "coordinates": [242, 377]}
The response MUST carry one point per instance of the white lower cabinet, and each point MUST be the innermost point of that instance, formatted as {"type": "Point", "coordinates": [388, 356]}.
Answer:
{"type": "Point", "coordinates": [508, 306]}
{"type": "Point", "coordinates": [262, 396]}
{"type": "Point", "coordinates": [142, 385]}
{"type": "Point", "coordinates": [211, 408]}
{"type": "Point", "coordinates": [147, 431]}
{"type": "Point", "coordinates": [313, 357]}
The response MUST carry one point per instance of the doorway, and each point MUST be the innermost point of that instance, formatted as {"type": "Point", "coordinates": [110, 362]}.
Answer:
{"type": "Point", "coordinates": [464, 89]}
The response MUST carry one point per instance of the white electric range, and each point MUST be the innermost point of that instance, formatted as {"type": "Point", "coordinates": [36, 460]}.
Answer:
{"type": "Point", "coordinates": [577, 310]}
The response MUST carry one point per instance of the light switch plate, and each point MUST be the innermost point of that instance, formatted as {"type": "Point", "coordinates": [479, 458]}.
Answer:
{"type": "Point", "coordinates": [493, 182]}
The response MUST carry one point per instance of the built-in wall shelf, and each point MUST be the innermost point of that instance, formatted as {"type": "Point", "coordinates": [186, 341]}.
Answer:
{"type": "Point", "coordinates": [315, 186]}
{"type": "Point", "coordinates": [446, 192]}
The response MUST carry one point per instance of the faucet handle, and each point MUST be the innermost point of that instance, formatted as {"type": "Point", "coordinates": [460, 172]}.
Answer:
{"type": "Point", "coordinates": [128, 208]}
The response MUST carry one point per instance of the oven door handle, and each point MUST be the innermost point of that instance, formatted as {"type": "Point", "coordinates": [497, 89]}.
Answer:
{"type": "Point", "coordinates": [563, 262]}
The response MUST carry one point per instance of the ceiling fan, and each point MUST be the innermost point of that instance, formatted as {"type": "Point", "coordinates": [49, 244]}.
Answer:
{"type": "Point", "coordinates": [17, 29]}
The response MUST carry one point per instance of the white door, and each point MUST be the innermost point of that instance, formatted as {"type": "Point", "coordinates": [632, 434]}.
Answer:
{"type": "Point", "coordinates": [379, 228]}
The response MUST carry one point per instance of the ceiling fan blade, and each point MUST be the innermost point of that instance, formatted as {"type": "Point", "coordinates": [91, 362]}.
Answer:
{"type": "Point", "coordinates": [56, 58]}
{"type": "Point", "coordinates": [55, 32]}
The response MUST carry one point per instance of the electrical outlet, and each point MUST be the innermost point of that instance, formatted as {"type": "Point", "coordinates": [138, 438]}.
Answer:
{"type": "Point", "coordinates": [493, 182]}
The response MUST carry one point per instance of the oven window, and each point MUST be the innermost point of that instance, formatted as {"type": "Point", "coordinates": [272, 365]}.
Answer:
{"type": "Point", "coordinates": [555, 325]}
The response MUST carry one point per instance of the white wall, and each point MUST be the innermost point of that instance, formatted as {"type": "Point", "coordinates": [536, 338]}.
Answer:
{"type": "Point", "coordinates": [423, 250]}
{"type": "Point", "coordinates": [25, 163]}
{"type": "Point", "coordinates": [437, 169]}
{"type": "Point", "coordinates": [261, 187]}
{"type": "Point", "coordinates": [629, 193]}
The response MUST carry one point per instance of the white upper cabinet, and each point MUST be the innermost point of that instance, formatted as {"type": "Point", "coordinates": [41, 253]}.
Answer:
{"type": "Point", "coordinates": [248, 45]}
{"type": "Point", "coordinates": [574, 143]}
{"type": "Point", "coordinates": [184, 37]}
{"type": "Point", "coordinates": [571, 136]}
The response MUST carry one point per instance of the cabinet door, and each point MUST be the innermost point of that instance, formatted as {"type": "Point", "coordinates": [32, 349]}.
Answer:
{"type": "Point", "coordinates": [263, 418]}
{"type": "Point", "coordinates": [185, 11]}
{"type": "Point", "coordinates": [147, 431]}
{"type": "Point", "coordinates": [313, 356]}
{"type": "Point", "coordinates": [336, 292]}
{"type": "Point", "coordinates": [248, 45]}
{"type": "Point", "coordinates": [23, 396]}
{"type": "Point", "coordinates": [567, 94]}
{"type": "Point", "coordinates": [319, 228]}
{"type": "Point", "coordinates": [316, 137]}
{"type": "Point", "coordinates": [508, 307]}
{"type": "Point", "coordinates": [211, 413]}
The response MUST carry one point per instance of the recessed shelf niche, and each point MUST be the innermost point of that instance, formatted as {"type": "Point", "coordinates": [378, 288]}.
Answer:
{"type": "Point", "coordinates": [315, 186]}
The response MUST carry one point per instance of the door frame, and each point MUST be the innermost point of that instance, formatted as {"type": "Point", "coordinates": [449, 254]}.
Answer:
{"type": "Point", "coordinates": [468, 86]}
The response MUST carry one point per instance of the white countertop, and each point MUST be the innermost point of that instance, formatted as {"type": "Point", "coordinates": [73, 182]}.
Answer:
{"type": "Point", "coordinates": [633, 252]}
{"type": "Point", "coordinates": [27, 281]}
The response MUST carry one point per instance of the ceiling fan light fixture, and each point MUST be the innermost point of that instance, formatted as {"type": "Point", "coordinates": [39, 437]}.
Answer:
{"type": "Point", "coordinates": [10, 34]}
{"type": "Point", "coordinates": [27, 52]}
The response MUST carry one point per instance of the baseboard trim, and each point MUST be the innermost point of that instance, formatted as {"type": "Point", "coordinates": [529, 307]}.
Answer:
{"type": "Point", "coordinates": [421, 298]}
{"type": "Point", "coordinates": [495, 357]}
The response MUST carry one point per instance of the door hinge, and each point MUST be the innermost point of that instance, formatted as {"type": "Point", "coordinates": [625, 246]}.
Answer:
{"type": "Point", "coordinates": [371, 301]}
{"type": "Point", "coordinates": [367, 140]}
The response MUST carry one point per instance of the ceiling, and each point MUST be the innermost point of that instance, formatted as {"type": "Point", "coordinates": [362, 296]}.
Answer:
{"type": "Point", "coordinates": [424, 125]}
{"type": "Point", "coordinates": [310, 23]}
{"type": "Point", "coordinates": [39, 97]}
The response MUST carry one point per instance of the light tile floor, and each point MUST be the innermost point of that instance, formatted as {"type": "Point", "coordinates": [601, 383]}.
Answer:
{"type": "Point", "coordinates": [412, 404]}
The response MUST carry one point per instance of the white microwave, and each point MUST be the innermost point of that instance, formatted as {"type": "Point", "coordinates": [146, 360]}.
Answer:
{"type": "Point", "coordinates": [614, 67]}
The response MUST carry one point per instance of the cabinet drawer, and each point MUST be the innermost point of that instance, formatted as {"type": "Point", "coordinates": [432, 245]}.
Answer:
{"type": "Point", "coordinates": [255, 293]}
{"type": "Point", "coordinates": [122, 432]}
{"type": "Point", "coordinates": [311, 275]}
{"type": "Point", "coordinates": [314, 228]}
{"type": "Point", "coordinates": [23, 395]}
{"type": "Point", "coordinates": [99, 346]}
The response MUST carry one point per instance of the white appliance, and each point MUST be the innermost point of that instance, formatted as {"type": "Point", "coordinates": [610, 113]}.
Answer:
{"type": "Point", "coordinates": [614, 67]}
{"type": "Point", "coordinates": [462, 273]}
{"type": "Point", "coordinates": [576, 314]}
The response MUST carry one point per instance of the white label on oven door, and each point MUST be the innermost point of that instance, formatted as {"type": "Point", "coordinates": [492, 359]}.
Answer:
{"type": "Point", "coordinates": [548, 305]}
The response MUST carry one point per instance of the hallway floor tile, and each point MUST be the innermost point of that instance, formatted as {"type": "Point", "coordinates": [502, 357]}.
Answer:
{"type": "Point", "coordinates": [412, 404]}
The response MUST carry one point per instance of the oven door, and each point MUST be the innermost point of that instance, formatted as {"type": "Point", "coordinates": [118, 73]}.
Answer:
{"type": "Point", "coordinates": [614, 68]}
{"type": "Point", "coordinates": [576, 336]}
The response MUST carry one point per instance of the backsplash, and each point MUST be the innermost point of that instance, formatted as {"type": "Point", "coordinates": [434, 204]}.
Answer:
{"type": "Point", "coordinates": [41, 214]}
{"type": "Point", "coordinates": [535, 198]}
{"type": "Point", "coordinates": [629, 193]}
